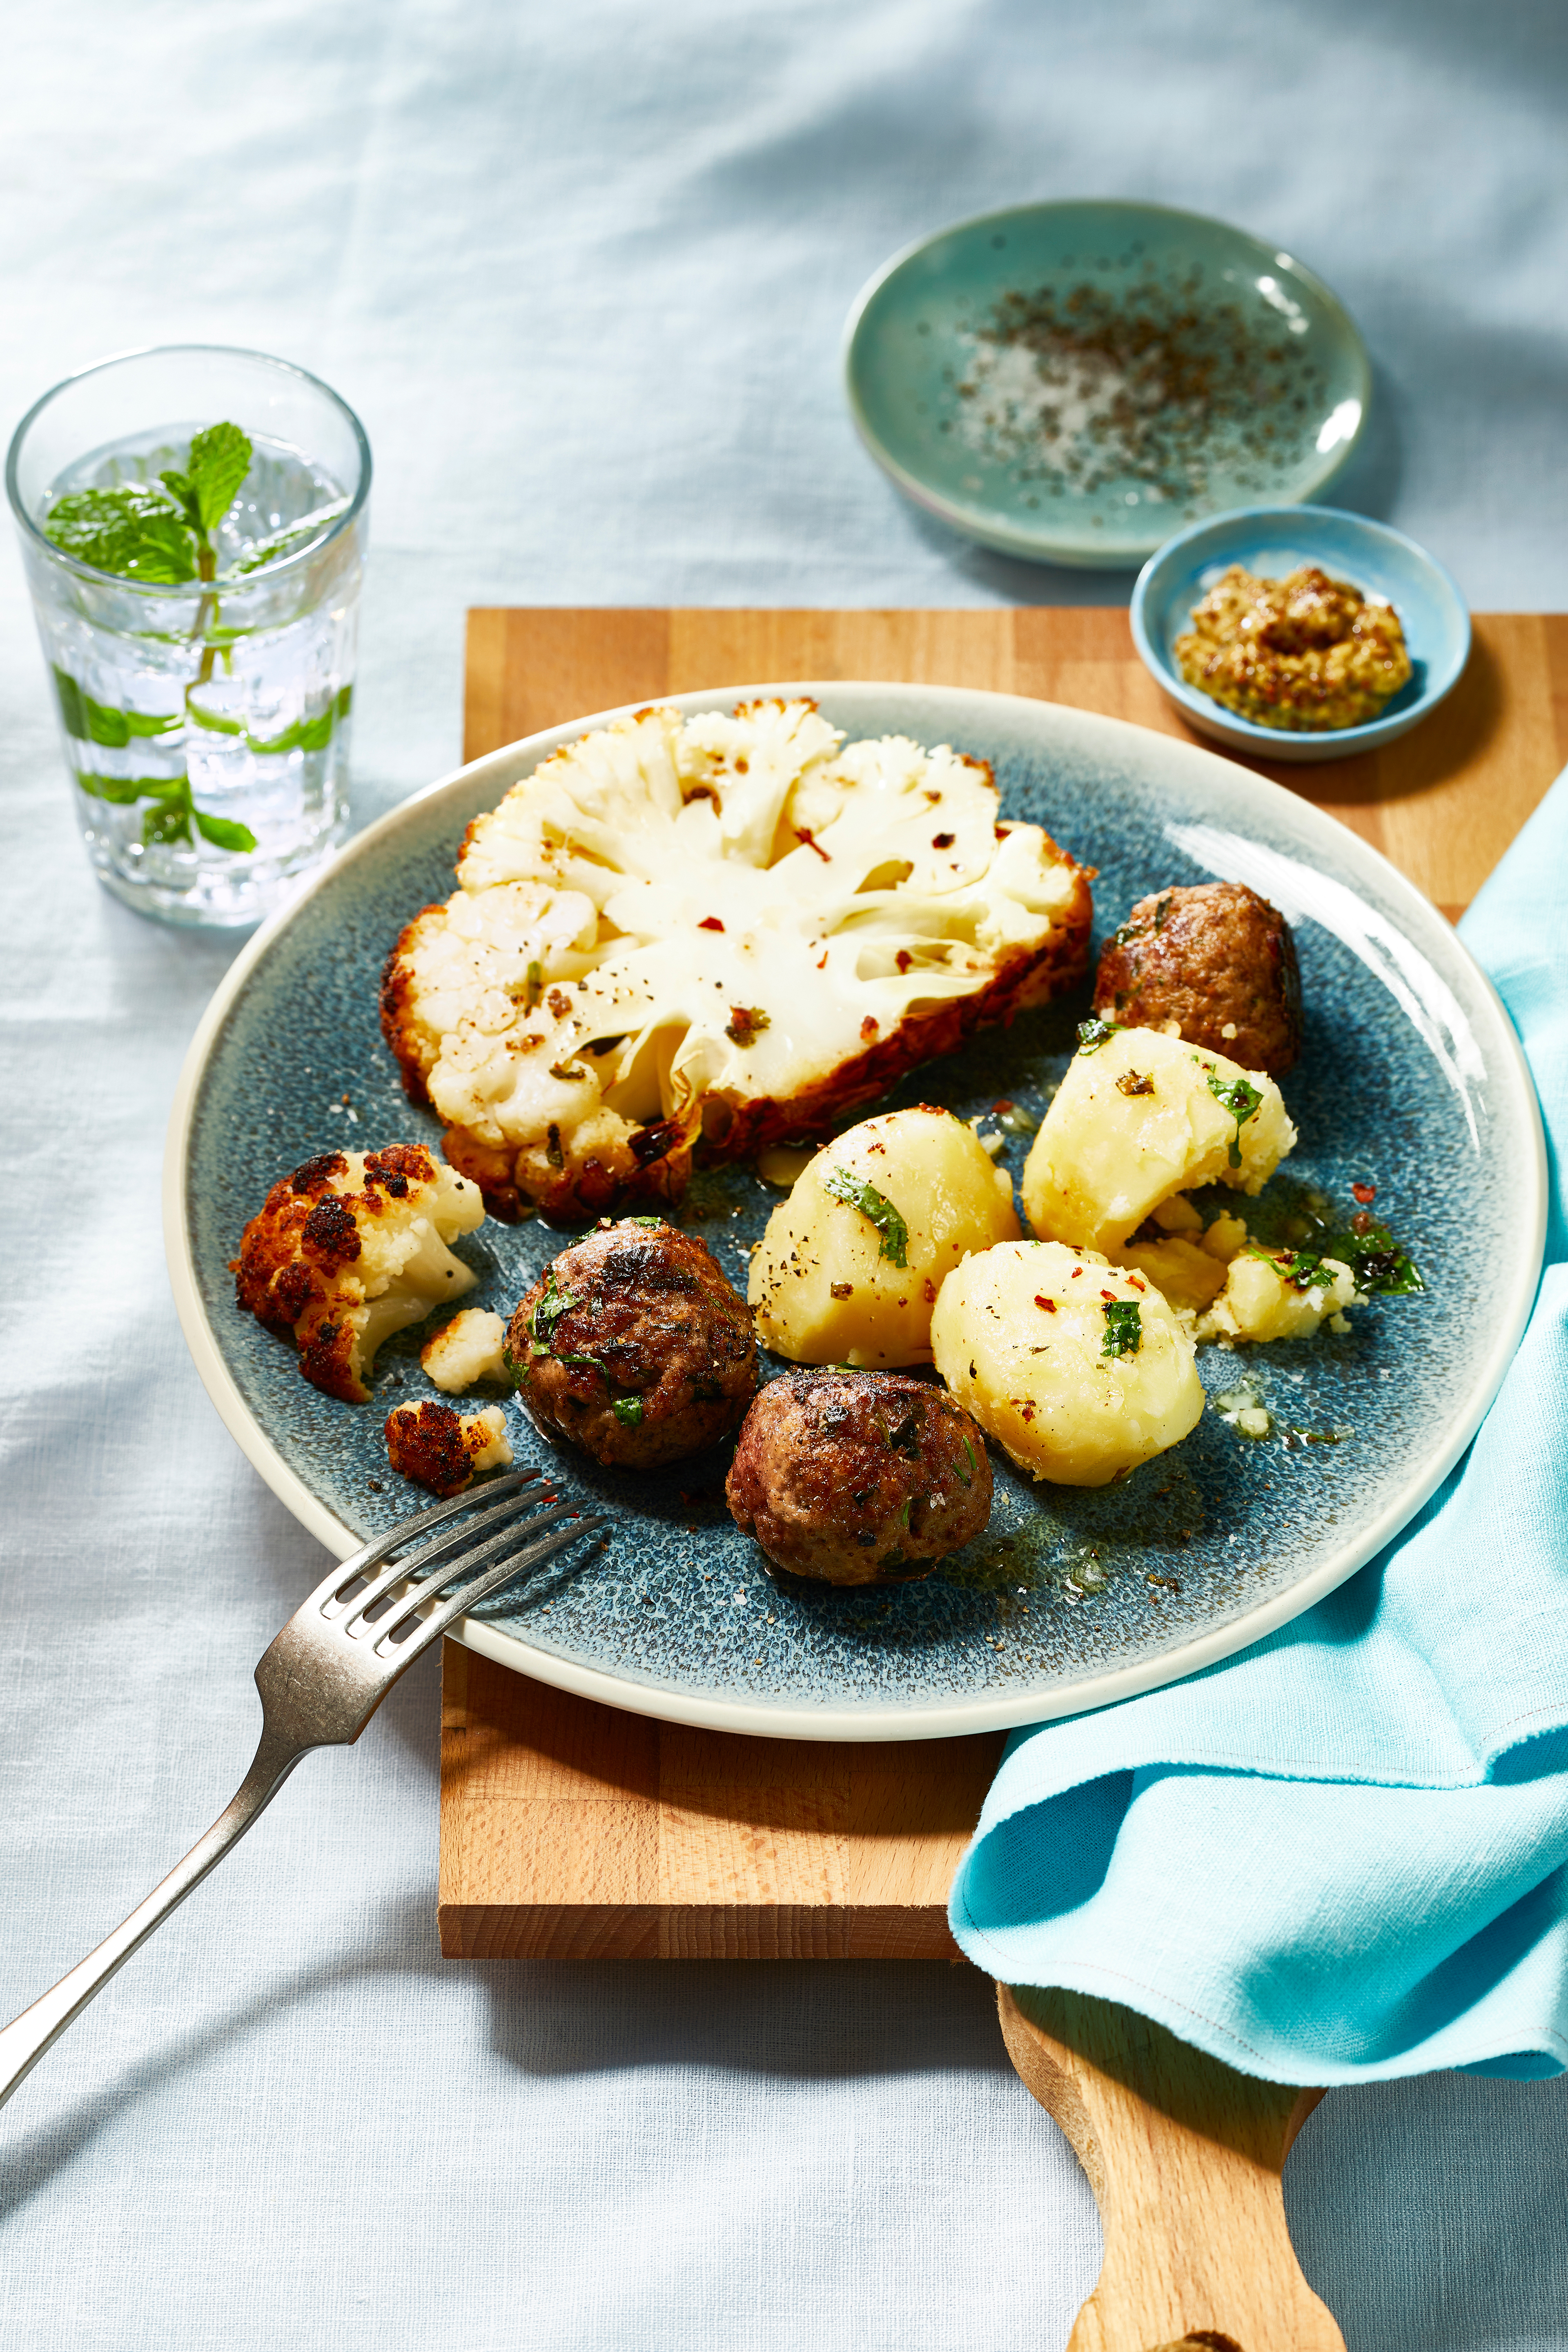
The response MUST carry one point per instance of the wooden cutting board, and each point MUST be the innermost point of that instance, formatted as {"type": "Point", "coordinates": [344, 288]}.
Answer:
{"type": "Point", "coordinates": [575, 1831]}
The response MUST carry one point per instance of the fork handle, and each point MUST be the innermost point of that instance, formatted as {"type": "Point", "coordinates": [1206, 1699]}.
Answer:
{"type": "Point", "coordinates": [25, 2040]}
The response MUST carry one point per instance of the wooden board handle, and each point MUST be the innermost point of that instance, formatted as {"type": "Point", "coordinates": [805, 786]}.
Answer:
{"type": "Point", "coordinates": [1185, 2156]}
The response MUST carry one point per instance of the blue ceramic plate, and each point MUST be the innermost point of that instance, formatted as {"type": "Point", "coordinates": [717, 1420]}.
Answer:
{"type": "Point", "coordinates": [1072, 383]}
{"type": "Point", "coordinates": [1271, 542]}
{"type": "Point", "coordinates": [1411, 1079]}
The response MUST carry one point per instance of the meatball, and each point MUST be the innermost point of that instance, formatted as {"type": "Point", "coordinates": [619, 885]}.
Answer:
{"type": "Point", "coordinates": [858, 1477]}
{"type": "Point", "coordinates": [633, 1346]}
{"type": "Point", "coordinates": [1217, 959]}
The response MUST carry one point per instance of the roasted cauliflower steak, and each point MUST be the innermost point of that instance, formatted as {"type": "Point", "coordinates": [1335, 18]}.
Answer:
{"type": "Point", "coordinates": [724, 927]}
{"type": "Point", "coordinates": [351, 1248]}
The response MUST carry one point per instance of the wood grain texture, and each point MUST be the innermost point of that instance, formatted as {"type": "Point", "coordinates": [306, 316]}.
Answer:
{"type": "Point", "coordinates": [1185, 2156]}
{"type": "Point", "coordinates": [1443, 802]}
{"type": "Point", "coordinates": [572, 1831]}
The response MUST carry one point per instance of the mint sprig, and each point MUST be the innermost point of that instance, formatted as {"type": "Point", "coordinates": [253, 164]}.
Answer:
{"type": "Point", "coordinates": [163, 536]}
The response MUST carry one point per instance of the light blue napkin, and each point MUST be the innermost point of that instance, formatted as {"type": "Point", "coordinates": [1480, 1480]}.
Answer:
{"type": "Point", "coordinates": [1343, 1855]}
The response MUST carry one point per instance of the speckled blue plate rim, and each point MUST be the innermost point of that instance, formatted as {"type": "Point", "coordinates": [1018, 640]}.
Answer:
{"type": "Point", "coordinates": [945, 1719]}
{"type": "Point", "coordinates": [1043, 546]}
{"type": "Point", "coordinates": [1374, 731]}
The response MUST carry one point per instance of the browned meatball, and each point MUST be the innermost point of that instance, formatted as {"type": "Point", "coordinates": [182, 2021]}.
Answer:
{"type": "Point", "coordinates": [633, 1346]}
{"type": "Point", "coordinates": [858, 1477]}
{"type": "Point", "coordinates": [1219, 962]}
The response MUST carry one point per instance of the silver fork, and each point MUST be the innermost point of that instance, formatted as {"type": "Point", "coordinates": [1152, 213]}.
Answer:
{"type": "Point", "coordinates": [321, 1682]}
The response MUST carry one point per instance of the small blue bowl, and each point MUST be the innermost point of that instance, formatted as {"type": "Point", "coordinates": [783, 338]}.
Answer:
{"type": "Point", "coordinates": [1272, 542]}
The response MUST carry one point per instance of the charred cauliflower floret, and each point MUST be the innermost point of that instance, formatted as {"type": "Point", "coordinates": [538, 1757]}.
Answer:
{"type": "Point", "coordinates": [440, 1449]}
{"type": "Point", "coordinates": [350, 1249]}
{"type": "Point", "coordinates": [732, 927]}
{"type": "Point", "coordinates": [471, 1347]}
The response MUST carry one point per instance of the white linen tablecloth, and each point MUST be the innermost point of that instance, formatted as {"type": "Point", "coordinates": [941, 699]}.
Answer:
{"type": "Point", "coordinates": [583, 272]}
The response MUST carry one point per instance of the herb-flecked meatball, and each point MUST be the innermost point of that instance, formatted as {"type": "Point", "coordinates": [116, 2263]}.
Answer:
{"type": "Point", "coordinates": [1217, 959]}
{"type": "Point", "coordinates": [858, 1477]}
{"type": "Point", "coordinates": [633, 1345]}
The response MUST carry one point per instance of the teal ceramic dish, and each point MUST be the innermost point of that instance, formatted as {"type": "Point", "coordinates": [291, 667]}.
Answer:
{"type": "Point", "coordinates": [1070, 382]}
{"type": "Point", "coordinates": [1410, 1077]}
{"type": "Point", "coordinates": [1271, 542]}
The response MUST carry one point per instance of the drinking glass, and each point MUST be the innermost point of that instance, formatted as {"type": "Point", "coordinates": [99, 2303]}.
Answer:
{"type": "Point", "coordinates": [205, 721]}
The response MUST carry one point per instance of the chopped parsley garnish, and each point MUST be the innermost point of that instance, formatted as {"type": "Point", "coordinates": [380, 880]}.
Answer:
{"type": "Point", "coordinates": [531, 990]}
{"type": "Point", "coordinates": [1134, 1082]}
{"type": "Point", "coordinates": [1299, 1268]}
{"type": "Point", "coordinates": [968, 1475]}
{"type": "Point", "coordinates": [746, 1023]}
{"type": "Point", "coordinates": [552, 1307]}
{"type": "Point", "coordinates": [572, 1070]}
{"type": "Point", "coordinates": [627, 1410]}
{"type": "Point", "coordinates": [839, 1184]}
{"type": "Point", "coordinates": [1237, 1097]}
{"type": "Point", "coordinates": [1092, 1034]}
{"type": "Point", "coordinates": [653, 1224]}
{"type": "Point", "coordinates": [1123, 1327]}
{"type": "Point", "coordinates": [1378, 1262]}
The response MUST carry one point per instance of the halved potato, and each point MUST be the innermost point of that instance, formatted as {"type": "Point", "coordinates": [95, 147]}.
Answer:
{"type": "Point", "coordinates": [1139, 1116]}
{"type": "Point", "coordinates": [1078, 1370]}
{"type": "Point", "coordinates": [851, 1265]}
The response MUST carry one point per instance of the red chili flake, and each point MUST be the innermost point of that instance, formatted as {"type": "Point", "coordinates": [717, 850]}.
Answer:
{"type": "Point", "coordinates": [1360, 1222]}
{"type": "Point", "coordinates": [1048, 1304]}
{"type": "Point", "coordinates": [943, 840]}
{"type": "Point", "coordinates": [822, 961]}
{"type": "Point", "coordinates": [1000, 1109]}
{"type": "Point", "coordinates": [1364, 1193]}
{"type": "Point", "coordinates": [929, 1291]}
{"type": "Point", "coordinates": [709, 923]}
{"type": "Point", "coordinates": [903, 959]}
{"type": "Point", "coordinates": [803, 832]}
{"type": "Point", "coordinates": [1108, 1294]}
{"type": "Point", "coordinates": [1028, 1413]}
{"type": "Point", "coordinates": [1002, 831]}
{"type": "Point", "coordinates": [1077, 1271]}
{"type": "Point", "coordinates": [559, 1003]}
{"type": "Point", "coordinates": [869, 1026]}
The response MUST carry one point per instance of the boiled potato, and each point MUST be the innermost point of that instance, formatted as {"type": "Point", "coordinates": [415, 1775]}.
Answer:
{"type": "Point", "coordinates": [852, 1280]}
{"type": "Point", "coordinates": [1181, 1271]}
{"type": "Point", "coordinates": [1261, 1300]}
{"type": "Point", "coordinates": [1021, 1336]}
{"type": "Point", "coordinates": [1135, 1120]}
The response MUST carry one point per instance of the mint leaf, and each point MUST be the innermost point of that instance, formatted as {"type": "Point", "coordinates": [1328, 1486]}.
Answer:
{"type": "Point", "coordinates": [219, 461]}
{"type": "Point", "coordinates": [123, 792]}
{"type": "Point", "coordinates": [169, 822]}
{"type": "Point", "coordinates": [216, 722]}
{"type": "Point", "coordinates": [131, 530]}
{"type": "Point", "coordinates": [893, 1233]}
{"type": "Point", "coordinates": [223, 833]}
{"type": "Point", "coordinates": [304, 735]}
